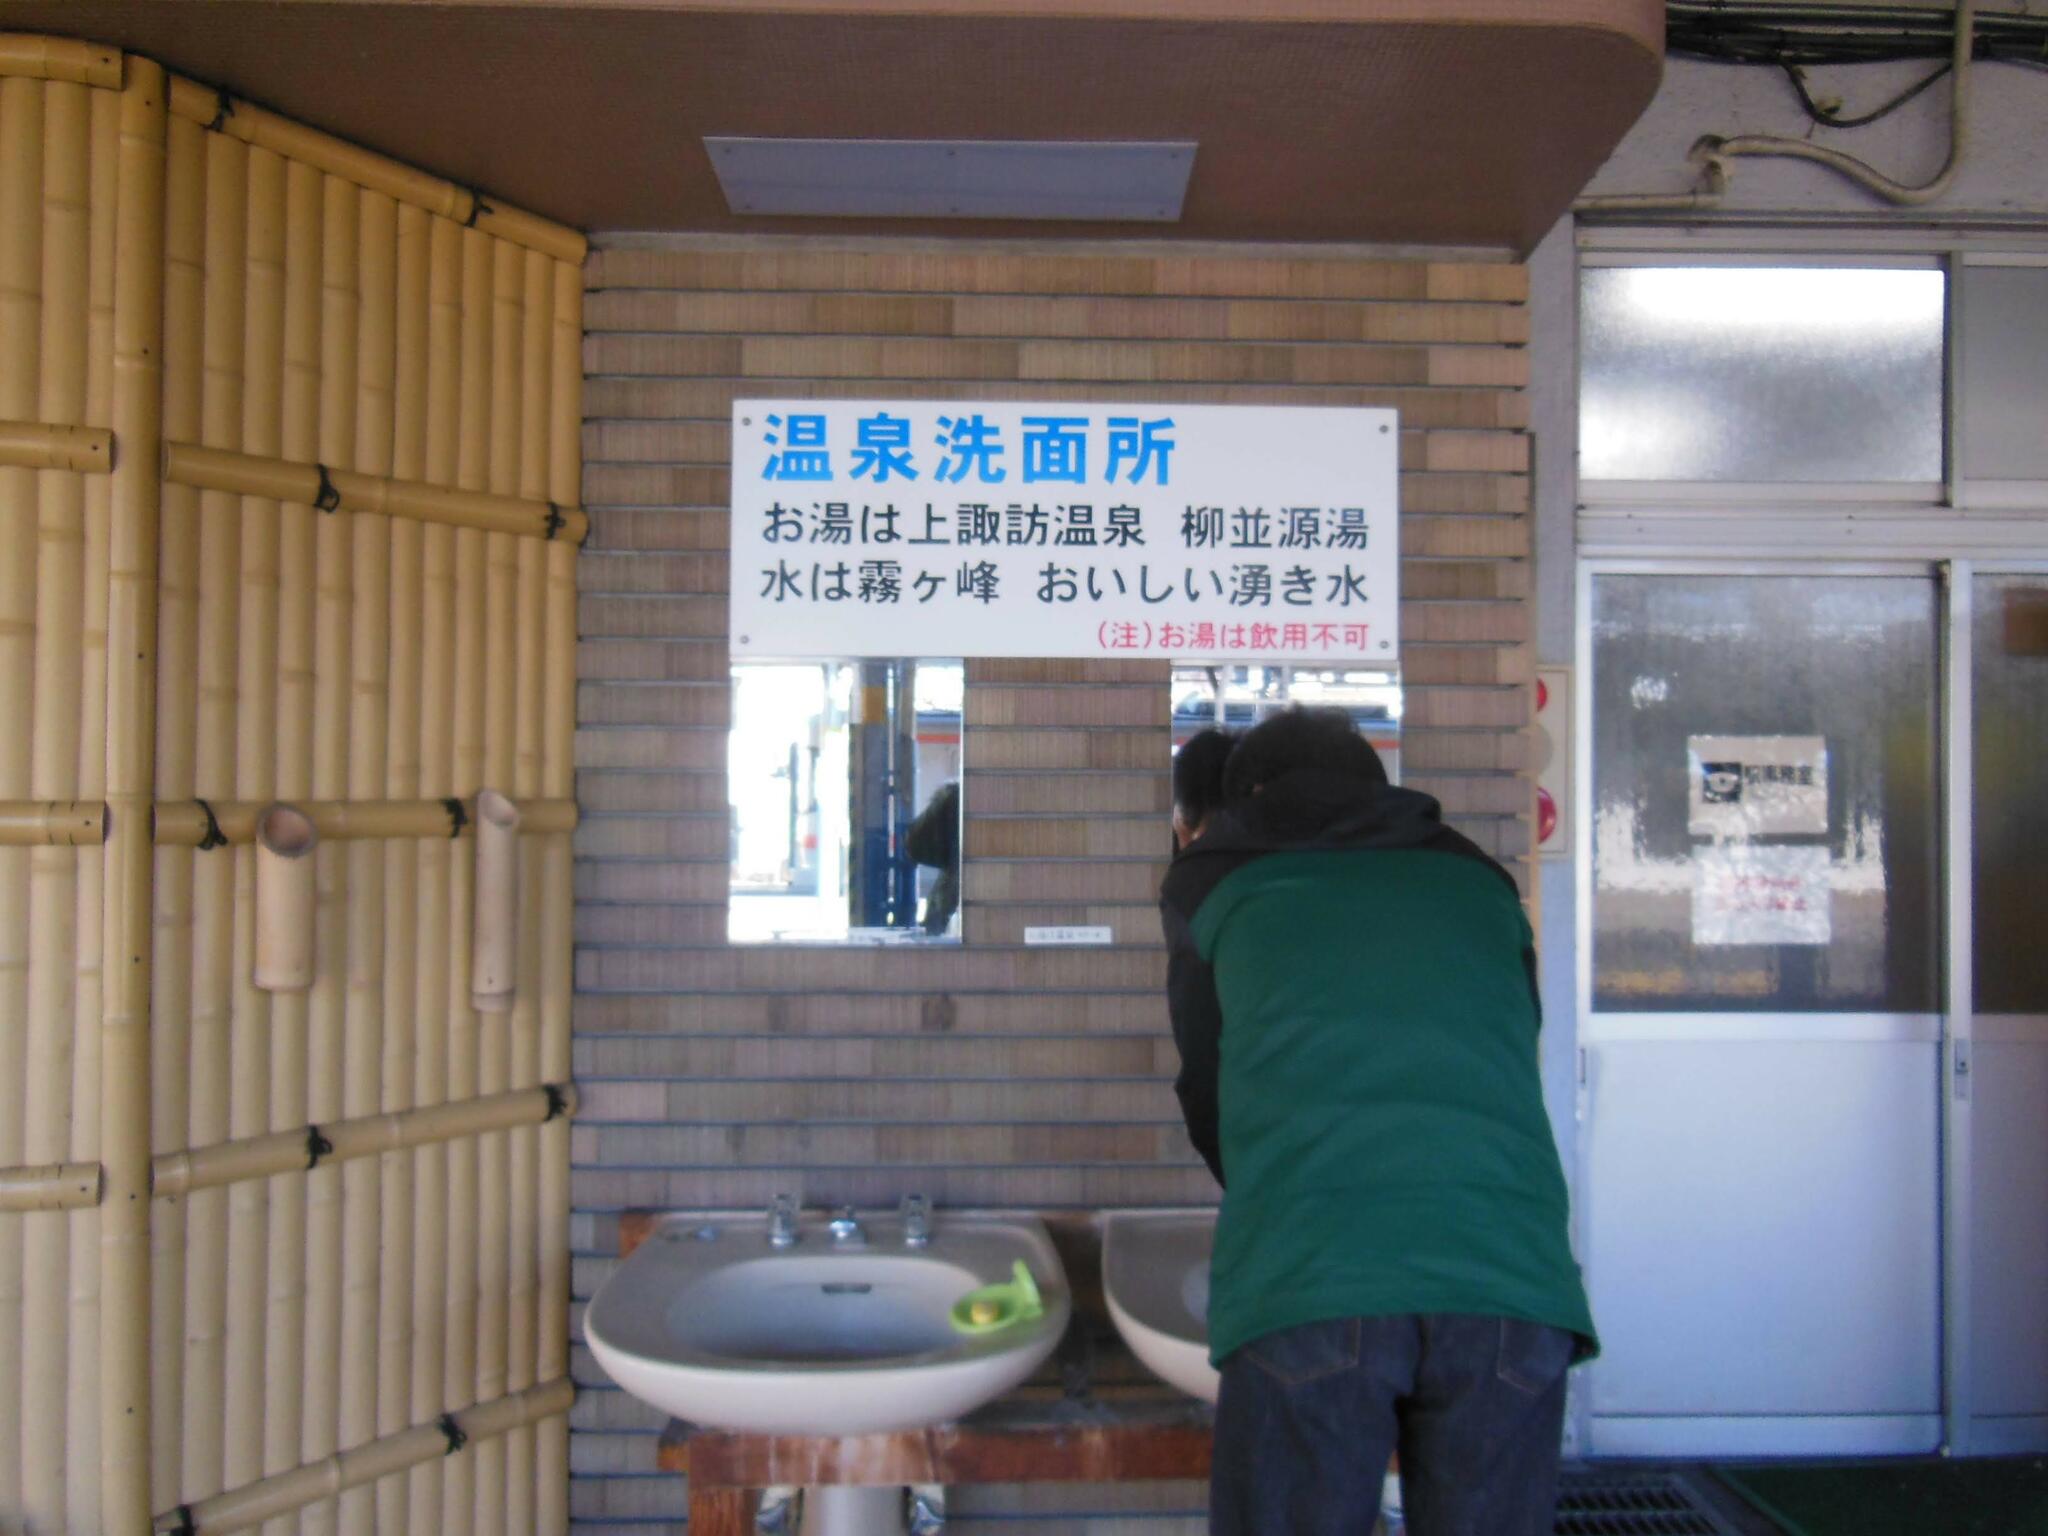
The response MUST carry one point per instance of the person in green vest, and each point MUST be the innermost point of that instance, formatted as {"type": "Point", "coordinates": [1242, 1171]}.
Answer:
{"type": "Point", "coordinates": [1353, 992]}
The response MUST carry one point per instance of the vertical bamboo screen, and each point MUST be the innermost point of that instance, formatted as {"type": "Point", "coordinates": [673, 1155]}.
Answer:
{"type": "Point", "coordinates": [268, 1255]}
{"type": "Point", "coordinates": [988, 1073]}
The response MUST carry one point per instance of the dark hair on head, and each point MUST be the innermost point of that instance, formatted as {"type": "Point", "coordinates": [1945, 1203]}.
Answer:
{"type": "Point", "coordinates": [1300, 737]}
{"type": "Point", "coordinates": [1198, 774]}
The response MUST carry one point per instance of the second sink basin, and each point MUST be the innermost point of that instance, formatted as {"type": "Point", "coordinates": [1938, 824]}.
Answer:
{"type": "Point", "coordinates": [1155, 1277]}
{"type": "Point", "coordinates": [712, 1323]}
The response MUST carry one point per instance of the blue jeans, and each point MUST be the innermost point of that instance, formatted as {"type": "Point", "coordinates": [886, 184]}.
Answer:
{"type": "Point", "coordinates": [1309, 1416]}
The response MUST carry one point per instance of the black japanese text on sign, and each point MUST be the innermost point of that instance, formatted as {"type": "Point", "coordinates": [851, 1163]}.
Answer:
{"type": "Point", "coordinates": [865, 528]}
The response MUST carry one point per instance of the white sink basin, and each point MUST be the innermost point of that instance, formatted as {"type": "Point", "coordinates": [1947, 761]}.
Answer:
{"type": "Point", "coordinates": [710, 1322]}
{"type": "Point", "coordinates": [1155, 1277]}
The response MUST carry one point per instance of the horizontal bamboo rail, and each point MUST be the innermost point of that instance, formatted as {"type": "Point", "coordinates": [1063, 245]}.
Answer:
{"type": "Point", "coordinates": [185, 823]}
{"type": "Point", "coordinates": [37, 445]}
{"type": "Point", "coordinates": [253, 125]}
{"type": "Point", "coordinates": [308, 485]}
{"type": "Point", "coordinates": [60, 58]}
{"type": "Point", "coordinates": [50, 1187]}
{"type": "Point", "coordinates": [240, 1508]}
{"type": "Point", "coordinates": [52, 823]}
{"type": "Point", "coordinates": [177, 1174]}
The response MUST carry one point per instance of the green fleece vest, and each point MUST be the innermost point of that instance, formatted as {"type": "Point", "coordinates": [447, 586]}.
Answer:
{"type": "Point", "coordinates": [1382, 1118]}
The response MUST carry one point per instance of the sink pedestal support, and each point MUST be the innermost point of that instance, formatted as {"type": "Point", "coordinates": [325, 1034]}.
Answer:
{"type": "Point", "coordinates": [847, 1509]}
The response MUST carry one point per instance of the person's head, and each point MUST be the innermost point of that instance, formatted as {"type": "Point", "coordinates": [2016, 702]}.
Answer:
{"type": "Point", "coordinates": [1296, 738]}
{"type": "Point", "coordinates": [1198, 781]}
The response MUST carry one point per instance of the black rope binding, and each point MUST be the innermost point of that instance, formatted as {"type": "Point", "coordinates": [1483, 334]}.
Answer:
{"type": "Point", "coordinates": [458, 816]}
{"type": "Point", "coordinates": [457, 1439]}
{"type": "Point", "coordinates": [329, 499]}
{"type": "Point", "coordinates": [555, 521]}
{"type": "Point", "coordinates": [317, 1146]}
{"type": "Point", "coordinates": [223, 109]}
{"type": "Point", "coordinates": [477, 207]}
{"type": "Point", "coordinates": [558, 1101]}
{"type": "Point", "coordinates": [187, 1525]}
{"type": "Point", "coordinates": [214, 838]}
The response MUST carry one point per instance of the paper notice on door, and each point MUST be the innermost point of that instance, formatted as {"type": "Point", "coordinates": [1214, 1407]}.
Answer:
{"type": "Point", "coordinates": [1757, 786]}
{"type": "Point", "coordinates": [1743, 894]}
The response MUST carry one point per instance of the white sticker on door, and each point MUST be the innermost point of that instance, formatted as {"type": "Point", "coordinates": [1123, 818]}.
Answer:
{"type": "Point", "coordinates": [1743, 894]}
{"type": "Point", "coordinates": [1757, 786]}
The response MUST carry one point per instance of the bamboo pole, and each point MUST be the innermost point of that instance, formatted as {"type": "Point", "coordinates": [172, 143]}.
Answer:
{"type": "Point", "coordinates": [369, 692]}
{"type": "Point", "coordinates": [557, 892]}
{"type": "Point", "coordinates": [300, 574]}
{"type": "Point", "coordinates": [252, 475]}
{"type": "Point", "coordinates": [184, 823]}
{"type": "Point", "coordinates": [257, 752]}
{"type": "Point", "coordinates": [60, 58]}
{"type": "Point", "coordinates": [226, 1005]}
{"type": "Point", "coordinates": [494, 946]}
{"type": "Point", "coordinates": [21, 227]}
{"type": "Point", "coordinates": [536, 355]}
{"type": "Point", "coordinates": [285, 840]}
{"type": "Point", "coordinates": [82, 1410]}
{"type": "Point", "coordinates": [475, 1428]}
{"type": "Point", "coordinates": [54, 734]}
{"type": "Point", "coordinates": [50, 1187]}
{"type": "Point", "coordinates": [501, 694]}
{"type": "Point", "coordinates": [433, 988]}
{"type": "Point", "coordinates": [54, 823]}
{"type": "Point", "coordinates": [131, 788]}
{"type": "Point", "coordinates": [53, 770]}
{"type": "Point", "coordinates": [332, 674]}
{"type": "Point", "coordinates": [459, 1477]}
{"type": "Point", "coordinates": [40, 445]}
{"type": "Point", "coordinates": [402, 858]}
{"type": "Point", "coordinates": [180, 1173]}
{"type": "Point", "coordinates": [372, 171]}
{"type": "Point", "coordinates": [174, 1044]}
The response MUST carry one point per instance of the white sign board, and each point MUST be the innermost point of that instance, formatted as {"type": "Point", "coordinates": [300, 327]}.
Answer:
{"type": "Point", "coordinates": [1744, 894]}
{"type": "Point", "coordinates": [932, 528]}
{"type": "Point", "coordinates": [1757, 786]}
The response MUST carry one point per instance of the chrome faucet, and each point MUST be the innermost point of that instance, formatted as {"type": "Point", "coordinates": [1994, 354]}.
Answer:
{"type": "Point", "coordinates": [916, 1211]}
{"type": "Point", "coordinates": [782, 1222]}
{"type": "Point", "coordinates": [846, 1230]}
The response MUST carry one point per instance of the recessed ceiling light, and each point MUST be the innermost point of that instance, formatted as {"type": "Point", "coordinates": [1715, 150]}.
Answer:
{"type": "Point", "coordinates": [1098, 180]}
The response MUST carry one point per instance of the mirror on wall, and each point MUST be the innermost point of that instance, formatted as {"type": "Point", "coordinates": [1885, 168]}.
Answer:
{"type": "Point", "coordinates": [843, 783]}
{"type": "Point", "coordinates": [1237, 697]}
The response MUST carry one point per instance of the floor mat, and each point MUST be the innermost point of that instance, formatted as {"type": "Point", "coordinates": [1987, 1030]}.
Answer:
{"type": "Point", "coordinates": [1631, 1504]}
{"type": "Point", "coordinates": [1972, 1496]}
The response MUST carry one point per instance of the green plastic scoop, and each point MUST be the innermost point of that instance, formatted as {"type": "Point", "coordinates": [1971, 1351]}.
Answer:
{"type": "Point", "coordinates": [1002, 1305]}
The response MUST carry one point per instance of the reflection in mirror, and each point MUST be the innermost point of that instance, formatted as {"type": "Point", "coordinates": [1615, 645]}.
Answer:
{"type": "Point", "coordinates": [1238, 697]}
{"type": "Point", "coordinates": [843, 780]}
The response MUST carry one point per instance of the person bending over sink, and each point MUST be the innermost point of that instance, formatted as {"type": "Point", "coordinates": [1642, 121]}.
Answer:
{"type": "Point", "coordinates": [1353, 991]}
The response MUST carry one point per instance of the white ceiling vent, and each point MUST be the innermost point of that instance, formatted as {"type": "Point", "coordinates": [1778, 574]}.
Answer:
{"type": "Point", "coordinates": [954, 178]}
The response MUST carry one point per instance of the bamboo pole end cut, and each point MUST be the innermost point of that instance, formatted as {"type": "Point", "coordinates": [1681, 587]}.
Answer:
{"type": "Point", "coordinates": [285, 840]}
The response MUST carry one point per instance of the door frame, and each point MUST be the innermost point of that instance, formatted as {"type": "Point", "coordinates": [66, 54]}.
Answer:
{"type": "Point", "coordinates": [1953, 902]}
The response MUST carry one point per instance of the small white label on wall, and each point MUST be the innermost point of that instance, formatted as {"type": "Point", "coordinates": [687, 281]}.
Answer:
{"type": "Point", "coordinates": [1068, 936]}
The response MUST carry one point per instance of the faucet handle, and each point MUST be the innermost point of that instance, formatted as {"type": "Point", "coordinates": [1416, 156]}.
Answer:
{"type": "Point", "coordinates": [782, 1221]}
{"type": "Point", "coordinates": [916, 1211]}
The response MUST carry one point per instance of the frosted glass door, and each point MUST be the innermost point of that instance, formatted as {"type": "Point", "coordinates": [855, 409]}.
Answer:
{"type": "Point", "coordinates": [2008, 1207]}
{"type": "Point", "coordinates": [1760, 1209]}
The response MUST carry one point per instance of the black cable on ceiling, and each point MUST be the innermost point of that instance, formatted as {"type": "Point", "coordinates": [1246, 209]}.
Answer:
{"type": "Point", "coordinates": [1794, 37]}
{"type": "Point", "coordinates": [1729, 31]}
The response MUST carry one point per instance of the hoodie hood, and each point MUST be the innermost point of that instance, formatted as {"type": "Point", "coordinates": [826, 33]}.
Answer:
{"type": "Point", "coordinates": [1309, 810]}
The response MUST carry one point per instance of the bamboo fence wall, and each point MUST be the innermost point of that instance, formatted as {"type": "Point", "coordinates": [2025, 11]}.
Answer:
{"type": "Point", "coordinates": [289, 460]}
{"type": "Point", "coordinates": [986, 1073]}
